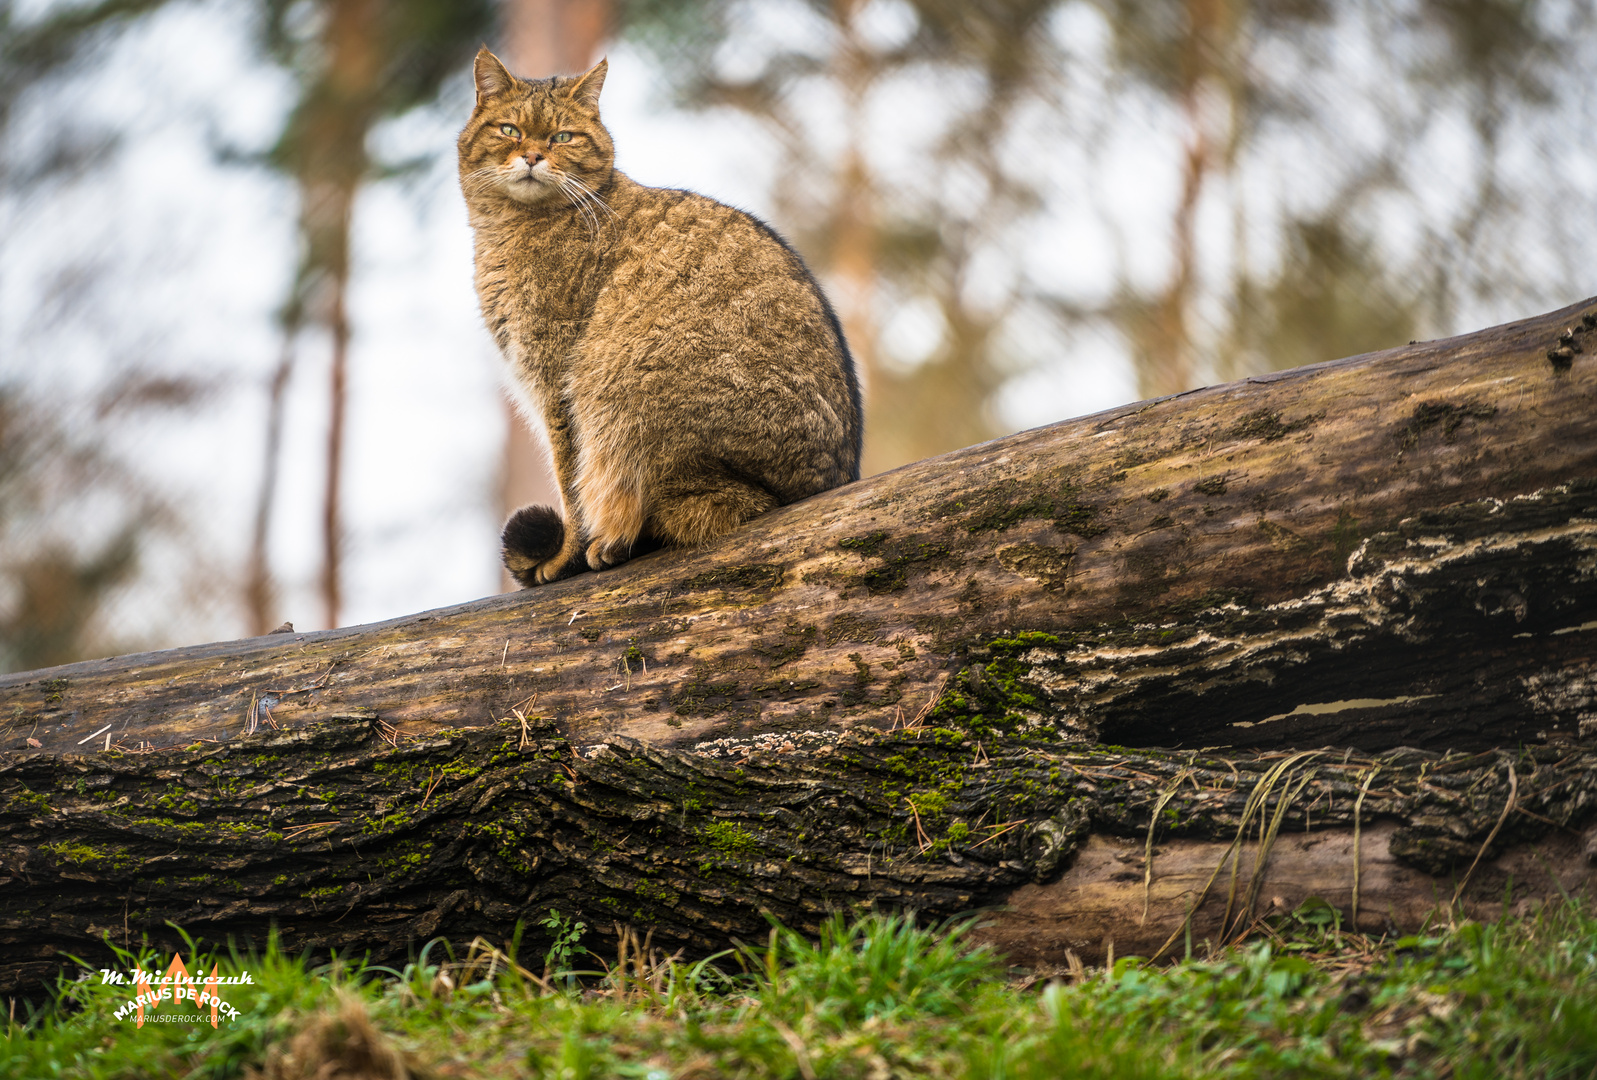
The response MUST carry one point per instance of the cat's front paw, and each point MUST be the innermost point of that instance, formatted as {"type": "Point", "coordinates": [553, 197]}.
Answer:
{"type": "Point", "coordinates": [553, 570]}
{"type": "Point", "coordinates": [602, 556]}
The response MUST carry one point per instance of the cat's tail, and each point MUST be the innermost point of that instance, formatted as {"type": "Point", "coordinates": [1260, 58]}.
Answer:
{"type": "Point", "coordinates": [533, 536]}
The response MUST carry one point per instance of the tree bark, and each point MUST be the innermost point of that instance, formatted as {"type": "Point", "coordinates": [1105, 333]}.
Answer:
{"type": "Point", "coordinates": [891, 693]}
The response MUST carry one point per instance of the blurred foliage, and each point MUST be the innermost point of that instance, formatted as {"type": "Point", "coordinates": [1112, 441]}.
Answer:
{"type": "Point", "coordinates": [1333, 297]}
{"type": "Point", "coordinates": [1254, 183]}
{"type": "Point", "coordinates": [70, 524]}
{"type": "Point", "coordinates": [354, 62]}
{"type": "Point", "coordinates": [32, 49]}
{"type": "Point", "coordinates": [1236, 95]}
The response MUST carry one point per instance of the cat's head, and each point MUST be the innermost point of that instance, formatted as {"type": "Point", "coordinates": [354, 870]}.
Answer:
{"type": "Point", "coordinates": [535, 141]}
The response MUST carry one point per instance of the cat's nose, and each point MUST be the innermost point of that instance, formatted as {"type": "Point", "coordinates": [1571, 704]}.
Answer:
{"type": "Point", "coordinates": [533, 157]}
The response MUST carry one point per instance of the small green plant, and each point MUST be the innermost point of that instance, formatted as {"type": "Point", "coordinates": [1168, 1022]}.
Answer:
{"type": "Point", "coordinates": [565, 935]}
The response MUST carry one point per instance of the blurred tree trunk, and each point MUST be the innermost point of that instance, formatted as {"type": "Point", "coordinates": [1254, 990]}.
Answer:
{"type": "Point", "coordinates": [542, 38]}
{"type": "Point", "coordinates": [342, 109]}
{"type": "Point", "coordinates": [1201, 77]}
{"type": "Point", "coordinates": [853, 255]}
{"type": "Point", "coordinates": [324, 149]}
{"type": "Point", "coordinates": [877, 247]}
{"type": "Point", "coordinates": [260, 590]}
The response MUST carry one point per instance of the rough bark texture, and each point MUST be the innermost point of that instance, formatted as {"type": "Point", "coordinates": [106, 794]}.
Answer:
{"type": "Point", "coordinates": [1390, 550]}
{"type": "Point", "coordinates": [343, 839]}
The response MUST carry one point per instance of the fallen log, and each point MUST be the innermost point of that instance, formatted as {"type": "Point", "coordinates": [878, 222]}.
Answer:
{"type": "Point", "coordinates": [914, 691]}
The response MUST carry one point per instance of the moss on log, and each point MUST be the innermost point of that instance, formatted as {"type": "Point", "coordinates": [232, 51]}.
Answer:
{"type": "Point", "coordinates": [342, 838]}
{"type": "Point", "coordinates": [899, 693]}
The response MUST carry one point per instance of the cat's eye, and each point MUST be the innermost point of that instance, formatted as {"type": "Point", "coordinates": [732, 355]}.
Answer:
{"type": "Point", "coordinates": [511, 129]}
{"type": "Point", "coordinates": [562, 136]}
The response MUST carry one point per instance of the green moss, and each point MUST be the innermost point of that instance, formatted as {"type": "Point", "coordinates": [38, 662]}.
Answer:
{"type": "Point", "coordinates": [659, 892]}
{"type": "Point", "coordinates": [704, 696]}
{"type": "Point", "coordinates": [1446, 415]}
{"type": "Point", "coordinates": [867, 545]}
{"type": "Point", "coordinates": [464, 768]}
{"type": "Point", "coordinates": [176, 798]}
{"type": "Point", "coordinates": [994, 698]}
{"type": "Point", "coordinates": [203, 832]}
{"type": "Point", "coordinates": [391, 822]}
{"type": "Point", "coordinates": [410, 856]}
{"type": "Point", "coordinates": [751, 576]}
{"type": "Point", "coordinates": [54, 688]}
{"type": "Point", "coordinates": [729, 837]}
{"type": "Point", "coordinates": [77, 854]}
{"type": "Point", "coordinates": [1268, 425]}
{"type": "Point", "coordinates": [86, 855]}
{"type": "Point", "coordinates": [1026, 639]}
{"type": "Point", "coordinates": [1345, 534]}
{"type": "Point", "coordinates": [28, 803]}
{"type": "Point", "coordinates": [324, 892]}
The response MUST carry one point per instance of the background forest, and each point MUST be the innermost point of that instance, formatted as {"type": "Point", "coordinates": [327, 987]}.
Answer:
{"type": "Point", "coordinates": [242, 377]}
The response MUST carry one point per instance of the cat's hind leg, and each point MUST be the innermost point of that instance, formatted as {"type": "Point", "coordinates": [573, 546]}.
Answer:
{"type": "Point", "coordinates": [610, 494]}
{"type": "Point", "coordinates": [691, 512]}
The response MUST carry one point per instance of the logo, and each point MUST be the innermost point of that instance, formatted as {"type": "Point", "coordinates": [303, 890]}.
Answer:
{"type": "Point", "coordinates": [176, 987]}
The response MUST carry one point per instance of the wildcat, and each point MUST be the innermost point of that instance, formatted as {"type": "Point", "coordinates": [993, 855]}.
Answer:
{"type": "Point", "coordinates": [687, 369]}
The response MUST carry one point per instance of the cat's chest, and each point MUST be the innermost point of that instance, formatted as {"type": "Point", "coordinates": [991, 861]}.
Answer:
{"type": "Point", "coordinates": [536, 296]}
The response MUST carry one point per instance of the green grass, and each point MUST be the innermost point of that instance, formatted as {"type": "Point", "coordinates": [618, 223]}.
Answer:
{"type": "Point", "coordinates": [878, 997]}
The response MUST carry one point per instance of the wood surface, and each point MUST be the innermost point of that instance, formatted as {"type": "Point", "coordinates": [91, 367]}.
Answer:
{"type": "Point", "coordinates": [341, 839]}
{"type": "Point", "coordinates": [914, 691]}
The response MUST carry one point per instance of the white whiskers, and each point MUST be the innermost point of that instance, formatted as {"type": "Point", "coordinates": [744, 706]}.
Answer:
{"type": "Point", "coordinates": [497, 179]}
{"type": "Point", "coordinates": [583, 197]}
{"type": "Point", "coordinates": [484, 181]}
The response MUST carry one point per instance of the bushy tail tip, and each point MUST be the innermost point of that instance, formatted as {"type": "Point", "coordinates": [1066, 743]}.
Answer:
{"type": "Point", "coordinates": [532, 536]}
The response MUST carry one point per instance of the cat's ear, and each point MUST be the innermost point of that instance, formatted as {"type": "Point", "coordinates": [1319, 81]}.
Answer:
{"type": "Point", "coordinates": [587, 88]}
{"type": "Point", "coordinates": [490, 75]}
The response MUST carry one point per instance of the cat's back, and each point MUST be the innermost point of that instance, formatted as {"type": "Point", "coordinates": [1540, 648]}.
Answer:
{"type": "Point", "coordinates": [682, 257]}
{"type": "Point", "coordinates": [710, 335]}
